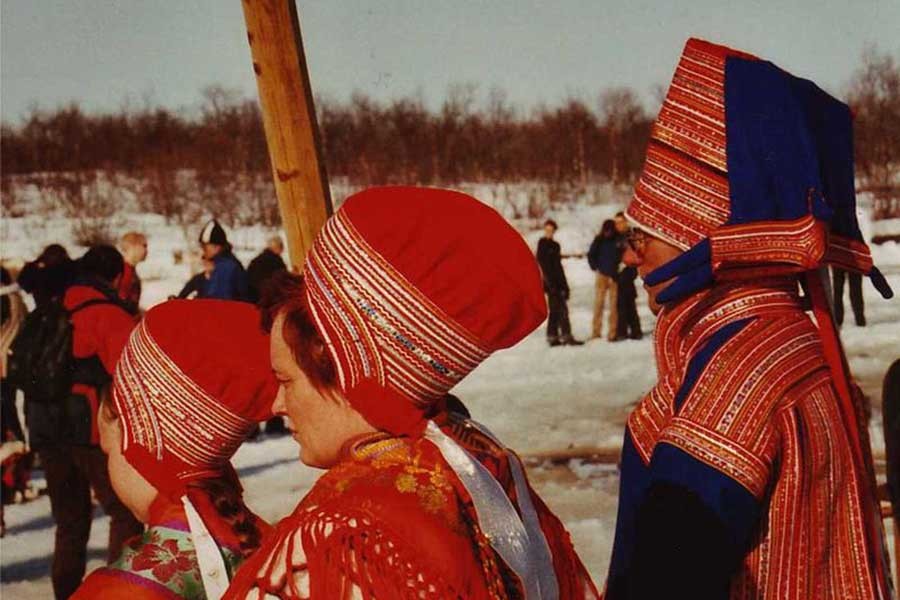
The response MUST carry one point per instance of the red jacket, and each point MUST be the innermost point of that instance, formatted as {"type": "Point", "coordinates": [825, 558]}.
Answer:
{"type": "Point", "coordinates": [100, 330]}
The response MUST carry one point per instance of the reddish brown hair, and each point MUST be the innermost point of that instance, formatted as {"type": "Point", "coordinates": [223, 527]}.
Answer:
{"type": "Point", "coordinates": [286, 293]}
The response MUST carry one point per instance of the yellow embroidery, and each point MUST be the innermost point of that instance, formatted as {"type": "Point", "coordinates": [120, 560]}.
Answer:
{"type": "Point", "coordinates": [405, 483]}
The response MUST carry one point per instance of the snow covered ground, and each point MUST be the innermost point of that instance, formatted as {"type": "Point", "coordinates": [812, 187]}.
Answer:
{"type": "Point", "coordinates": [534, 397]}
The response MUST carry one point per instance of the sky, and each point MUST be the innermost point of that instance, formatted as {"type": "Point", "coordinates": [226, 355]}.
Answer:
{"type": "Point", "coordinates": [110, 54]}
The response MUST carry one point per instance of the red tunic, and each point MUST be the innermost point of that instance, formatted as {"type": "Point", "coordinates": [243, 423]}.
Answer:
{"type": "Point", "coordinates": [761, 421]}
{"type": "Point", "coordinates": [391, 520]}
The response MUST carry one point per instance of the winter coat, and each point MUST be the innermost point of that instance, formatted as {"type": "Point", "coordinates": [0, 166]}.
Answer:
{"type": "Point", "coordinates": [737, 477]}
{"type": "Point", "coordinates": [195, 285]}
{"type": "Point", "coordinates": [162, 563]}
{"type": "Point", "coordinates": [130, 287]}
{"type": "Point", "coordinates": [625, 284]}
{"type": "Point", "coordinates": [604, 256]}
{"type": "Point", "coordinates": [228, 280]}
{"type": "Point", "coordinates": [260, 270]}
{"type": "Point", "coordinates": [14, 312]}
{"type": "Point", "coordinates": [99, 333]}
{"type": "Point", "coordinates": [550, 260]}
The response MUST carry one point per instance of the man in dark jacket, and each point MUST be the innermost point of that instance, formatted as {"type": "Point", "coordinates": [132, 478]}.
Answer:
{"type": "Point", "coordinates": [559, 330]}
{"type": "Point", "coordinates": [228, 280]}
{"type": "Point", "coordinates": [261, 268]}
{"type": "Point", "coordinates": [628, 322]}
{"type": "Point", "coordinates": [603, 257]}
{"type": "Point", "coordinates": [64, 430]}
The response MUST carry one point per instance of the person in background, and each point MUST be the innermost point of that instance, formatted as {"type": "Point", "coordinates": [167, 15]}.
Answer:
{"type": "Point", "coordinates": [12, 438]}
{"type": "Point", "coordinates": [890, 413]}
{"type": "Point", "coordinates": [259, 273]}
{"type": "Point", "coordinates": [228, 280]}
{"type": "Point", "coordinates": [856, 296]}
{"type": "Point", "coordinates": [178, 478]}
{"type": "Point", "coordinates": [196, 285]}
{"type": "Point", "coordinates": [12, 315]}
{"type": "Point", "coordinates": [266, 264]}
{"type": "Point", "coordinates": [64, 430]}
{"type": "Point", "coordinates": [603, 257]}
{"type": "Point", "coordinates": [556, 287]}
{"type": "Point", "coordinates": [133, 246]}
{"type": "Point", "coordinates": [629, 323]}
{"type": "Point", "coordinates": [49, 275]}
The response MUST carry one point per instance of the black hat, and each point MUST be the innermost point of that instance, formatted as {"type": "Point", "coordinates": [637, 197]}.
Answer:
{"type": "Point", "coordinates": [213, 233]}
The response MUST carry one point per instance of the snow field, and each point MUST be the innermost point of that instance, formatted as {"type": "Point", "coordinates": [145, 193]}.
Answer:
{"type": "Point", "coordinates": [535, 398]}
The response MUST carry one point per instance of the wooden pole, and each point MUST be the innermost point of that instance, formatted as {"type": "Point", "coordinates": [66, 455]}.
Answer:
{"type": "Point", "coordinates": [289, 119]}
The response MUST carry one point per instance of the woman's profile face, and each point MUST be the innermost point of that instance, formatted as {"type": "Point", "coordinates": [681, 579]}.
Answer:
{"type": "Point", "coordinates": [133, 490]}
{"type": "Point", "coordinates": [321, 420]}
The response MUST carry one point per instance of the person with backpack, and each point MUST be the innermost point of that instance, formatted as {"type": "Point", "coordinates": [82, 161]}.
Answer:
{"type": "Point", "coordinates": [63, 360]}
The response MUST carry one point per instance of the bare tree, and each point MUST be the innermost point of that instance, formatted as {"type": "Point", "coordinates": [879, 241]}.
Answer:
{"type": "Point", "coordinates": [621, 111]}
{"type": "Point", "coordinates": [874, 96]}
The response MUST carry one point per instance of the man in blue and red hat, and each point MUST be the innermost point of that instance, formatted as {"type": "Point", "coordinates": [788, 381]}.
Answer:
{"type": "Point", "coordinates": [745, 470]}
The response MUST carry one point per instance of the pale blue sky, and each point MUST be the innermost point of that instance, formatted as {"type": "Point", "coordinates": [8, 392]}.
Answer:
{"type": "Point", "coordinates": [101, 52]}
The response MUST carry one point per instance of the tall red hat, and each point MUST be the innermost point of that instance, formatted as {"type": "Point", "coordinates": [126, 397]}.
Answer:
{"type": "Point", "coordinates": [192, 382]}
{"type": "Point", "coordinates": [412, 288]}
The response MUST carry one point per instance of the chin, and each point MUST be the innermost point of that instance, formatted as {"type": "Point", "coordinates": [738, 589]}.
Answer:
{"type": "Point", "coordinates": [310, 459]}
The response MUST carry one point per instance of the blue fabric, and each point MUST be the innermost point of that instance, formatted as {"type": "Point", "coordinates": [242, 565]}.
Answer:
{"type": "Point", "coordinates": [692, 271]}
{"type": "Point", "coordinates": [228, 280]}
{"type": "Point", "coordinates": [701, 359]}
{"type": "Point", "coordinates": [604, 256]}
{"type": "Point", "coordinates": [831, 126]}
{"type": "Point", "coordinates": [771, 156]}
{"type": "Point", "coordinates": [634, 481]}
{"type": "Point", "coordinates": [732, 503]}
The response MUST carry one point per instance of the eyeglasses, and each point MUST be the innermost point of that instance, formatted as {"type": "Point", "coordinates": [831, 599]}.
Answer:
{"type": "Point", "coordinates": [636, 239]}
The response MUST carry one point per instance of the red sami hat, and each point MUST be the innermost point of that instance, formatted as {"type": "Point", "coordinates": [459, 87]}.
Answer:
{"type": "Point", "coordinates": [190, 385]}
{"type": "Point", "coordinates": [412, 288]}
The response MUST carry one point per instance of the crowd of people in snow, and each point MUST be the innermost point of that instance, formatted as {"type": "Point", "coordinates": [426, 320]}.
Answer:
{"type": "Point", "coordinates": [62, 357]}
{"type": "Point", "coordinates": [745, 472]}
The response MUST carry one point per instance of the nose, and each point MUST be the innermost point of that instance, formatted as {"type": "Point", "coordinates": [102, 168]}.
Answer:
{"type": "Point", "coordinates": [278, 405]}
{"type": "Point", "coordinates": [631, 258]}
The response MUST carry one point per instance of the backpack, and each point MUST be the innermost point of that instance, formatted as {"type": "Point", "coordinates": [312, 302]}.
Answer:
{"type": "Point", "coordinates": [40, 360]}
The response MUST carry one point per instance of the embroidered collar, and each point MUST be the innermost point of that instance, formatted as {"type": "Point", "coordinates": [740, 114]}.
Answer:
{"type": "Point", "coordinates": [682, 328]}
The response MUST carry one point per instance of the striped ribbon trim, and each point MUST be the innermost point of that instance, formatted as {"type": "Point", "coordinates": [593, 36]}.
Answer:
{"type": "Point", "coordinates": [166, 412]}
{"type": "Point", "coordinates": [378, 325]}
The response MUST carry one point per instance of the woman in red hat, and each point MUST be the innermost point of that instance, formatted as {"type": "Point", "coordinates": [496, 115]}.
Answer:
{"type": "Point", "coordinates": [406, 291]}
{"type": "Point", "coordinates": [190, 385]}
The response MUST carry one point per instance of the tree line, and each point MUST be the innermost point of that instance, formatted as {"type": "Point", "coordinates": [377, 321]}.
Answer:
{"type": "Point", "coordinates": [365, 141]}
{"type": "Point", "coordinates": [178, 161]}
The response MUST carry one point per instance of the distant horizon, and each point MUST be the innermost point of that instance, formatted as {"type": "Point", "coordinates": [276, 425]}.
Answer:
{"type": "Point", "coordinates": [104, 55]}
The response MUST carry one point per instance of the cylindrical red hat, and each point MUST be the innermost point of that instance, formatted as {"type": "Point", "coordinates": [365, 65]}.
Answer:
{"type": "Point", "coordinates": [192, 382]}
{"type": "Point", "coordinates": [411, 289]}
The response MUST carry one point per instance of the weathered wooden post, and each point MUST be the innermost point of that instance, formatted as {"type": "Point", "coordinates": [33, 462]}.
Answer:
{"type": "Point", "coordinates": [289, 118]}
